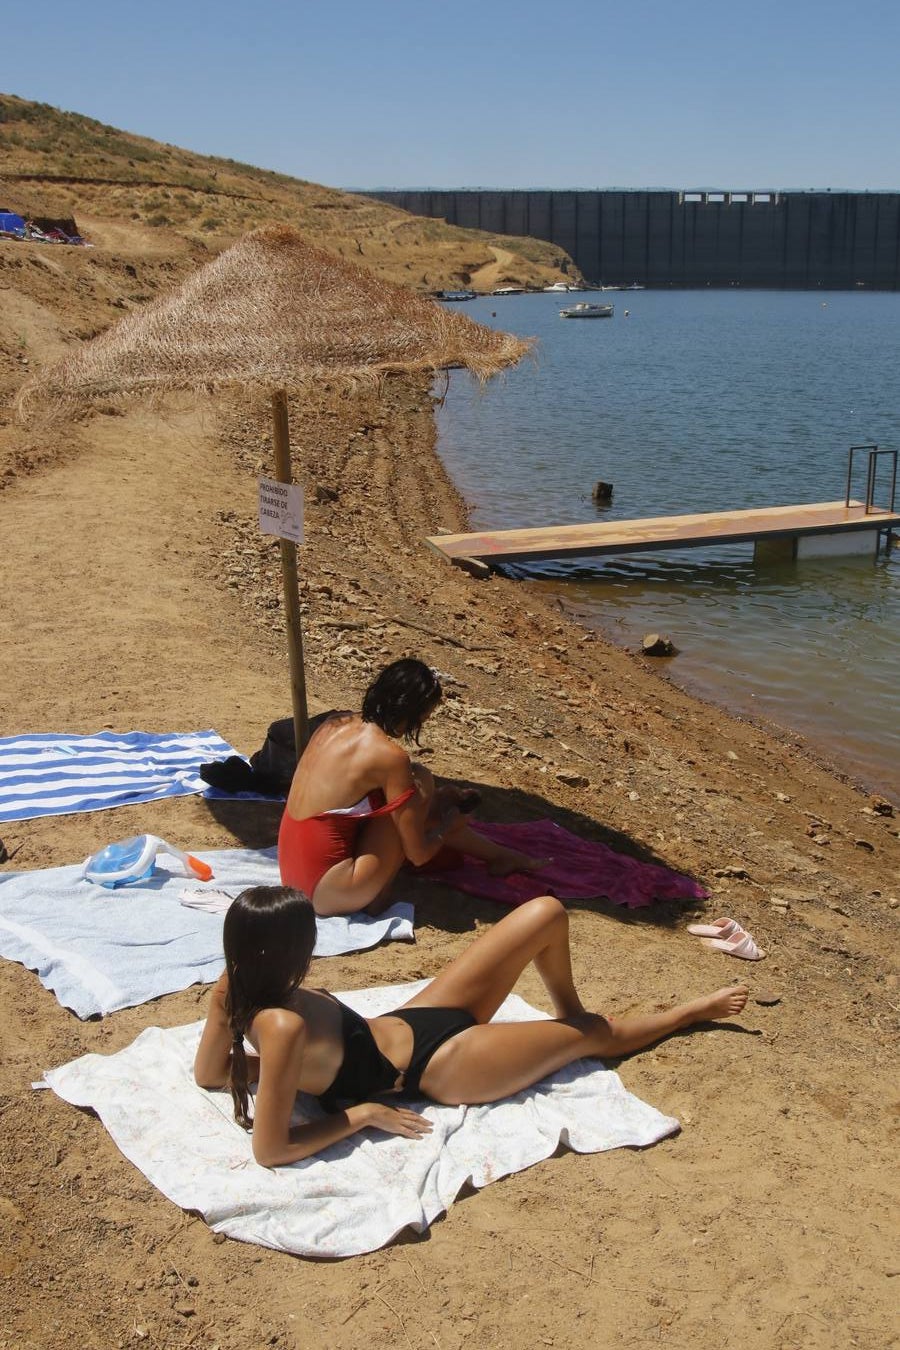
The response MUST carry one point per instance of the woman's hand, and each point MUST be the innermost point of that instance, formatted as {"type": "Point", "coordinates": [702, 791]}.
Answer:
{"type": "Point", "coordinates": [304, 1141]}
{"type": "Point", "coordinates": [397, 1120]}
{"type": "Point", "coordinates": [213, 1059]}
{"type": "Point", "coordinates": [220, 993]}
{"type": "Point", "coordinates": [448, 820]}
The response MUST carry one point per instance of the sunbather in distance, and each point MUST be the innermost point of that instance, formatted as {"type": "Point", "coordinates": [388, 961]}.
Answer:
{"type": "Point", "coordinates": [358, 807]}
{"type": "Point", "coordinates": [440, 1044]}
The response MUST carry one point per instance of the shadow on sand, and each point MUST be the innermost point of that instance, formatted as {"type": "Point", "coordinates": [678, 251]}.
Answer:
{"type": "Point", "coordinates": [254, 824]}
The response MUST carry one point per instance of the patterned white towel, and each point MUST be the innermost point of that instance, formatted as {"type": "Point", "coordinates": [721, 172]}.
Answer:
{"type": "Point", "coordinates": [100, 950]}
{"type": "Point", "coordinates": [58, 775]}
{"type": "Point", "coordinates": [359, 1194]}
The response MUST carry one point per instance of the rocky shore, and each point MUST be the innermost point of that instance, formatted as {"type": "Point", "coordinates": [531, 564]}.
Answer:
{"type": "Point", "coordinates": [139, 594]}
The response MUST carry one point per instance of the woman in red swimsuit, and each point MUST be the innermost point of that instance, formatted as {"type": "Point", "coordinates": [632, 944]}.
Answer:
{"type": "Point", "coordinates": [358, 808]}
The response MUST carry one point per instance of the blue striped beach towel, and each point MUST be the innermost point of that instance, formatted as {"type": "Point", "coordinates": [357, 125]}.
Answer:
{"type": "Point", "coordinates": [58, 775]}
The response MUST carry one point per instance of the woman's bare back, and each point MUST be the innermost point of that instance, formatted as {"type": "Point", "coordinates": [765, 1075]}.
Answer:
{"type": "Point", "coordinates": [345, 759]}
{"type": "Point", "coordinates": [324, 1048]}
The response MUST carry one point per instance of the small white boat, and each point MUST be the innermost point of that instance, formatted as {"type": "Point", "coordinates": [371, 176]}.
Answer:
{"type": "Point", "coordinates": [509, 290]}
{"type": "Point", "coordinates": [585, 311]}
{"type": "Point", "coordinates": [559, 286]}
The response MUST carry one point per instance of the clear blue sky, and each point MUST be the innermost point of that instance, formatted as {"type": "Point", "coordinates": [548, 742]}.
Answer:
{"type": "Point", "coordinates": [636, 93]}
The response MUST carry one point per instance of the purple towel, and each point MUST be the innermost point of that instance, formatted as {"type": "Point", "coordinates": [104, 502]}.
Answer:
{"type": "Point", "coordinates": [581, 869]}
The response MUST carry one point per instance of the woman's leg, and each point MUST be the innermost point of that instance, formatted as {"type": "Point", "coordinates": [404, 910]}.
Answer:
{"type": "Point", "coordinates": [355, 883]}
{"type": "Point", "coordinates": [487, 1063]}
{"type": "Point", "coordinates": [482, 976]}
{"type": "Point", "coordinates": [364, 881]}
{"type": "Point", "coordinates": [500, 860]}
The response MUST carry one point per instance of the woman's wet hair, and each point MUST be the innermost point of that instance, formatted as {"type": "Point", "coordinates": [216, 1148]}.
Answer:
{"type": "Point", "coordinates": [401, 697]}
{"type": "Point", "coordinates": [269, 935]}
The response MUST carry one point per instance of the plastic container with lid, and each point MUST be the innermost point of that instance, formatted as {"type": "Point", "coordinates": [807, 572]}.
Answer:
{"type": "Point", "coordinates": [130, 860]}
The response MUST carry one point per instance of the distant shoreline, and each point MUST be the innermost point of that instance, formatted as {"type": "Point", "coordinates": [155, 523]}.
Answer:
{"type": "Point", "coordinates": [803, 240]}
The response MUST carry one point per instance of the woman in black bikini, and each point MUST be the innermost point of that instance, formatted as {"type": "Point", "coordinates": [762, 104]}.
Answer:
{"type": "Point", "coordinates": [440, 1044]}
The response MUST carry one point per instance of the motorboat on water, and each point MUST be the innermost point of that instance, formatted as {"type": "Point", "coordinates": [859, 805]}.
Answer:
{"type": "Point", "coordinates": [456, 295]}
{"type": "Point", "coordinates": [561, 286]}
{"type": "Point", "coordinates": [583, 310]}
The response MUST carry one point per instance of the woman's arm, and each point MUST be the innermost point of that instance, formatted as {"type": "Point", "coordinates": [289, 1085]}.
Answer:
{"type": "Point", "coordinates": [420, 845]}
{"type": "Point", "coordinates": [282, 1039]}
{"type": "Point", "coordinates": [421, 839]}
{"type": "Point", "coordinates": [213, 1059]}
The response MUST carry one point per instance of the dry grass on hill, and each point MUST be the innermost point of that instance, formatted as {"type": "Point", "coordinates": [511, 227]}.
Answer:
{"type": "Point", "coordinates": [155, 213]}
{"type": "Point", "coordinates": [62, 163]}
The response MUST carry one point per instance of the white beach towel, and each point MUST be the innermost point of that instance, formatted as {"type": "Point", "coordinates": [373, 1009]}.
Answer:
{"type": "Point", "coordinates": [359, 1194]}
{"type": "Point", "coordinates": [99, 950]}
{"type": "Point", "coordinates": [57, 775]}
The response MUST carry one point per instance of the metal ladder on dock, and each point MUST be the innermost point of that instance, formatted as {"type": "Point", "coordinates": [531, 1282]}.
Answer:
{"type": "Point", "coordinates": [874, 454]}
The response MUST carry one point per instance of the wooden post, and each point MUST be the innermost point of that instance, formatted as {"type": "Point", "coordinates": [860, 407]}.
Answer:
{"type": "Point", "coordinates": [289, 577]}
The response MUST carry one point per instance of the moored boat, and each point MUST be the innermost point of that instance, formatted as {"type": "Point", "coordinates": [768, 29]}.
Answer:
{"type": "Point", "coordinates": [585, 311]}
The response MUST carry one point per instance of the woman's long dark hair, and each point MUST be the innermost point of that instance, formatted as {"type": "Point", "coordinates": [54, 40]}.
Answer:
{"type": "Point", "coordinates": [269, 935]}
{"type": "Point", "coordinates": [401, 697]}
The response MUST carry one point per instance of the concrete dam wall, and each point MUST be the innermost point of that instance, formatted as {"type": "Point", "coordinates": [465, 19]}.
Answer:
{"type": "Point", "coordinates": [790, 240]}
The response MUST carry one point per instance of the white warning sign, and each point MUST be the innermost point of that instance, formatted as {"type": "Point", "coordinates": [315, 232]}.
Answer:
{"type": "Point", "coordinates": [281, 509]}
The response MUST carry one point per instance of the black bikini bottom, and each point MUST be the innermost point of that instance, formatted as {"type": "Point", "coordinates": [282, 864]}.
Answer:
{"type": "Point", "coordinates": [366, 1073]}
{"type": "Point", "coordinates": [430, 1028]}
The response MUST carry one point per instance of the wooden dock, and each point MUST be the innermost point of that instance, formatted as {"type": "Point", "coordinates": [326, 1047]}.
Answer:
{"type": "Point", "coordinates": [830, 520]}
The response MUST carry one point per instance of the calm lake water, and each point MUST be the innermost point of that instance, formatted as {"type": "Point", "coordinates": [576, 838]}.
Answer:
{"type": "Point", "coordinates": [705, 401]}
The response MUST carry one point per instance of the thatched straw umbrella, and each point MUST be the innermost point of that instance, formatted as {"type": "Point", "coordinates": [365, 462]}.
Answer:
{"type": "Point", "coordinates": [274, 314]}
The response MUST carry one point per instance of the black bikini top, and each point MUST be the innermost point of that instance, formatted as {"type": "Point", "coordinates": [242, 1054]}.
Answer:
{"type": "Point", "coordinates": [365, 1071]}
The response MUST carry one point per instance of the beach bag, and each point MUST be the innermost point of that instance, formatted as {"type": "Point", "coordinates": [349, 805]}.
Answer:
{"type": "Point", "coordinates": [269, 771]}
{"type": "Point", "coordinates": [274, 764]}
{"type": "Point", "coordinates": [271, 768]}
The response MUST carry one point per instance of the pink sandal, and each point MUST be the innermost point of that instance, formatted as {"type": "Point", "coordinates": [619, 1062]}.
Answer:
{"type": "Point", "coordinates": [741, 944]}
{"type": "Point", "coordinates": [720, 928]}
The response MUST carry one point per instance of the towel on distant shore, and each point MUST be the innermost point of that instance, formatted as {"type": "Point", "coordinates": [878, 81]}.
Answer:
{"type": "Point", "coordinates": [581, 869]}
{"type": "Point", "coordinates": [99, 950]}
{"type": "Point", "coordinates": [56, 775]}
{"type": "Point", "coordinates": [359, 1194]}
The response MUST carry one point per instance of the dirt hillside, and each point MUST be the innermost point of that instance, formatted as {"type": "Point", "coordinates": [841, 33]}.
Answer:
{"type": "Point", "coordinates": [133, 196]}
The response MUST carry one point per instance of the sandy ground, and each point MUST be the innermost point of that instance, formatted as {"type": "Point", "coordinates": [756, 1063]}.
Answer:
{"type": "Point", "coordinates": [138, 594]}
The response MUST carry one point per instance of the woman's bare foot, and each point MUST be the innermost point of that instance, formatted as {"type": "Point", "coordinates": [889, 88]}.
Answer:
{"type": "Point", "coordinates": [448, 796]}
{"type": "Point", "coordinates": [468, 800]}
{"type": "Point", "coordinates": [727, 1002]}
{"type": "Point", "coordinates": [509, 861]}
